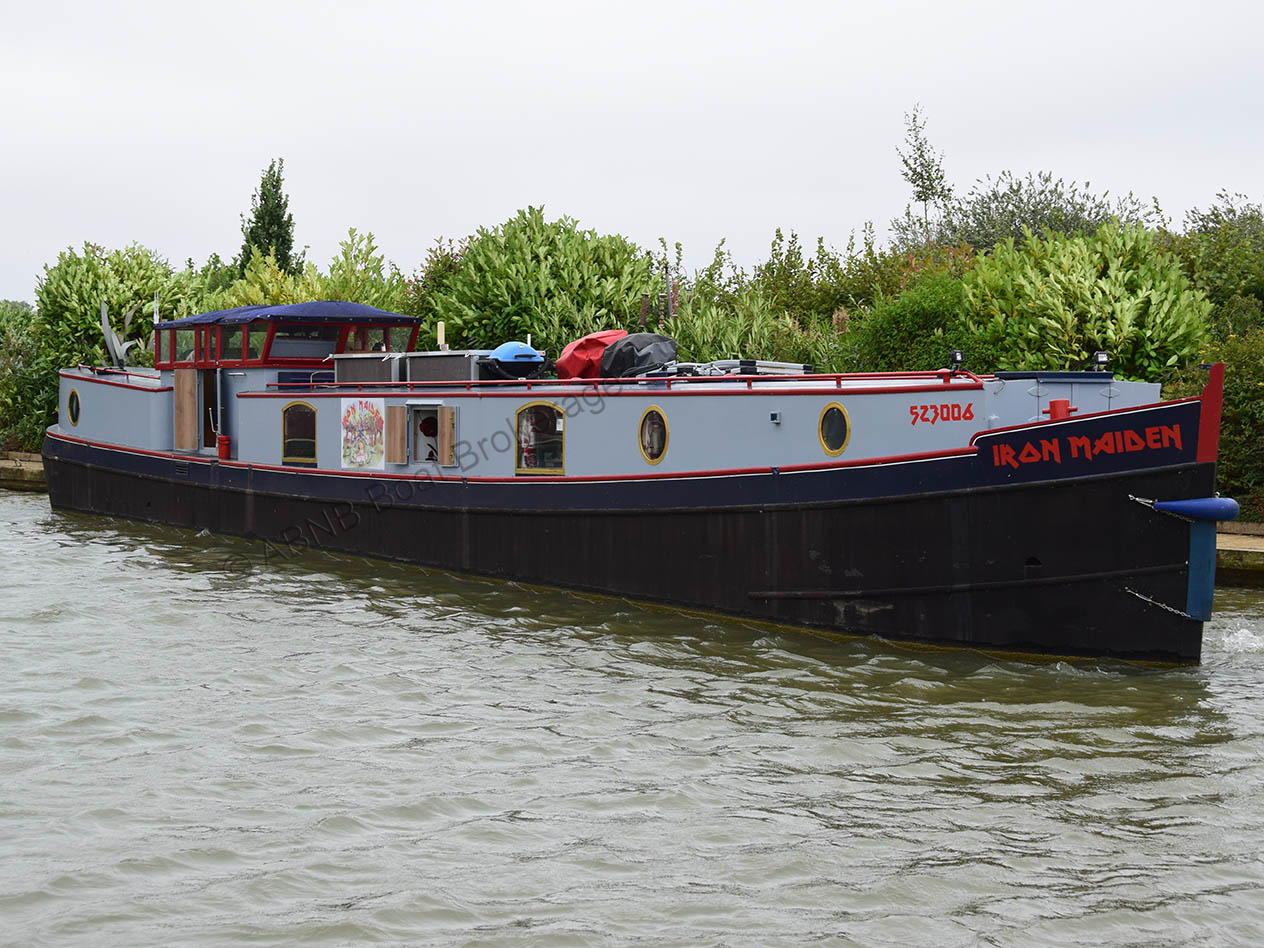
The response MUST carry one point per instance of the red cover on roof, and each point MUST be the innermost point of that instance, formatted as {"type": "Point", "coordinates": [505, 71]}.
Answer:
{"type": "Point", "coordinates": [581, 359]}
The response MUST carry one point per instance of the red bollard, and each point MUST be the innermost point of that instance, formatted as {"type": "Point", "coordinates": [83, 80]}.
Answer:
{"type": "Point", "coordinates": [224, 446]}
{"type": "Point", "coordinates": [1058, 409]}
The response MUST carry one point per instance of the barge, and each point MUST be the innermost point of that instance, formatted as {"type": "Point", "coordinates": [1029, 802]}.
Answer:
{"type": "Point", "coordinates": [1063, 513]}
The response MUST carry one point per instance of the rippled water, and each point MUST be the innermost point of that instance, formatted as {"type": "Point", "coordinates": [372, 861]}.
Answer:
{"type": "Point", "coordinates": [328, 751]}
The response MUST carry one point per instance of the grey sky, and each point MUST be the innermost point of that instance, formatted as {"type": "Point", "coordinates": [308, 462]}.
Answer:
{"type": "Point", "coordinates": [151, 122]}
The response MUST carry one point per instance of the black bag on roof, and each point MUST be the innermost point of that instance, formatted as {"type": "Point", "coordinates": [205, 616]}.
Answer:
{"type": "Point", "coordinates": [637, 354]}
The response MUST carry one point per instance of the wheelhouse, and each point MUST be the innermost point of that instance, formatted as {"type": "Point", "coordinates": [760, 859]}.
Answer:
{"type": "Point", "coordinates": [301, 335]}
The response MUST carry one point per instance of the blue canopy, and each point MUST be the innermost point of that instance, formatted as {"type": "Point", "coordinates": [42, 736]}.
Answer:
{"type": "Point", "coordinates": [320, 311]}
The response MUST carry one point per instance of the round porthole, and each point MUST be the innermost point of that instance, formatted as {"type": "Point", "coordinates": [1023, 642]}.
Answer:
{"type": "Point", "coordinates": [652, 436]}
{"type": "Point", "coordinates": [835, 429]}
{"type": "Point", "coordinates": [72, 407]}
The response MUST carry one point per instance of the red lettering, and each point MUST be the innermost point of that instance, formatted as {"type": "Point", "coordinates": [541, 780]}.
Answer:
{"type": "Point", "coordinates": [1105, 445]}
{"type": "Point", "coordinates": [1029, 453]}
{"type": "Point", "coordinates": [1153, 438]}
{"type": "Point", "coordinates": [1172, 436]}
{"type": "Point", "coordinates": [968, 414]}
{"type": "Point", "coordinates": [1079, 443]}
{"type": "Point", "coordinates": [1133, 442]}
{"type": "Point", "coordinates": [1007, 455]}
{"type": "Point", "coordinates": [1050, 451]}
{"type": "Point", "coordinates": [1119, 441]}
{"type": "Point", "coordinates": [913, 412]}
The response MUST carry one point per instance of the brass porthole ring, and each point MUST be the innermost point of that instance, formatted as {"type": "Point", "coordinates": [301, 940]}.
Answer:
{"type": "Point", "coordinates": [834, 429]}
{"type": "Point", "coordinates": [72, 406]}
{"type": "Point", "coordinates": [652, 435]}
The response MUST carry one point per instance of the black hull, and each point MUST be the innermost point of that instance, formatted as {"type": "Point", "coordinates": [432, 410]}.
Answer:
{"type": "Point", "coordinates": [1064, 567]}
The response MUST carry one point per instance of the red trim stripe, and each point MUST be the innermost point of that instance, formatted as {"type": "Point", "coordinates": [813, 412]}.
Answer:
{"type": "Point", "coordinates": [382, 475]}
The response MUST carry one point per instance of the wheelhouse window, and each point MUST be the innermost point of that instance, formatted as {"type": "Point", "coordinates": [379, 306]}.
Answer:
{"type": "Point", "coordinates": [256, 336]}
{"type": "Point", "coordinates": [541, 439]}
{"type": "Point", "coordinates": [366, 339]}
{"type": "Point", "coordinates": [186, 345]}
{"type": "Point", "coordinates": [298, 434]}
{"type": "Point", "coordinates": [303, 341]}
{"type": "Point", "coordinates": [230, 343]}
{"type": "Point", "coordinates": [653, 435]}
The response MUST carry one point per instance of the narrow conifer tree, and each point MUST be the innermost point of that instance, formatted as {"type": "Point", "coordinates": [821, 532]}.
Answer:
{"type": "Point", "coordinates": [271, 225]}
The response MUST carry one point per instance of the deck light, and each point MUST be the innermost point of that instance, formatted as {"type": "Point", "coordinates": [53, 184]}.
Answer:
{"type": "Point", "coordinates": [957, 358]}
{"type": "Point", "coordinates": [1100, 360]}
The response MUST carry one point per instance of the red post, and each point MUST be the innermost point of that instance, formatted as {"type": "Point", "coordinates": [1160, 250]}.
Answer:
{"type": "Point", "coordinates": [1059, 408]}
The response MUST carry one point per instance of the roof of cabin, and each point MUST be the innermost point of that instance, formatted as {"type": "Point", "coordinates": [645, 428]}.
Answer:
{"type": "Point", "coordinates": [320, 311]}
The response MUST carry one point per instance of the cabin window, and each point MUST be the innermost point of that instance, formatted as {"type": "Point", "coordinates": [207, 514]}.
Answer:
{"type": "Point", "coordinates": [256, 336]}
{"type": "Point", "coordinates": [400, 336]}
{"type": "Point", "coordinates": [368, 339]}
{"type": "Point", "coordinates": [186, 341]}
{"type": "Point", "coordinates": [72, 406]}
{"type": "Point", "coordinates": [230, 343]}
{"type": "Point", "coordinates": [298, 434]}
{"type": "Point", "coordinates": [541, 439]}
{"type": "Point", "coordinates": [652, 436]}
{"type": "Point", "coordinates": [834, 429]}
{"type": "Point", "coordinates": [304, 342]}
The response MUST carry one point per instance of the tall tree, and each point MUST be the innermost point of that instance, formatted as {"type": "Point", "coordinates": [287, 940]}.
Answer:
{"type": "Point", "coordinates": [923, 168]}
{"type": "Point", "coordinates": [271, 225]}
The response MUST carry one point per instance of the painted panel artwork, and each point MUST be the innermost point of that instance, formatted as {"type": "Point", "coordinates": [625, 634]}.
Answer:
{"type": "Point", "coordinates": [363, 433]}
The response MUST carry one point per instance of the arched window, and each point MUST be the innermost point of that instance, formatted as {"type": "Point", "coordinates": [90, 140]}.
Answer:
{"type": "Point", "coordinates": [298, 434]}
{"type": "Point", "coordinates": [541, 439]}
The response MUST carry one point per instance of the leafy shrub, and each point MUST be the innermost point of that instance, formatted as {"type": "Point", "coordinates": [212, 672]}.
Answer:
{"type": "Point", "coordinates": [20, 377]}
{"type": "Point", "coordinates": [359, 274]}
{"type": "Point", "coordinates": [915, 329]}
{"type": "Point", "coordinates": [66, 328]}
{"type": "Point", "coordinates": [1051, 302]}
{"type": "Point", "coordinates": [1240, 472]}
{"type": "Point", "coordinates": [825, 289]}
{"type": "Point", "coordinates": [1222, 252]}
{"type": "Point", "coordinates": [535, 276]}
{"type": "Point", "coordinates": [442, 264]}
{"type": "Point", "coordinates": [1007, 206]}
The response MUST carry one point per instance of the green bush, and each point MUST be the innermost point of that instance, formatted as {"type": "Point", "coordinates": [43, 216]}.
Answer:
{"type": "Point", "coordinates": [1053, 301]}
{"type": "Point", "coordinates": [1007, 206]}
{"type": "Point", "coordinates": [1222, 252]}
{"type": "Point", "coordinates": [547, 278]}
{"type": "Point", "coordinates": [1240, 472]}
{"type": "Point", "coordinates": [421, 290]}
{"type": "Point", "coordinates": [66, 328]}
{"type": "Point", "coordinates": [21, 375]}
{"type": "Point", "coordinates": [359, 274]}
{"type": "Point", "coordinates": [915, 329]}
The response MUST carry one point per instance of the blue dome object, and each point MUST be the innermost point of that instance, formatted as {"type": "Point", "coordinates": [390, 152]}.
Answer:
{"type": "Point", "coordinates": [516, 352]}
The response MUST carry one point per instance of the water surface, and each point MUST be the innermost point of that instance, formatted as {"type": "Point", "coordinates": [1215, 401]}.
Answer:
{"type": "Point", "coordinates": [201, 746]}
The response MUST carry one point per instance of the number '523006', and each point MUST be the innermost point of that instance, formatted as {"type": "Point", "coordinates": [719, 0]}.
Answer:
{"type": "Point", "coordinates": [929, 414]}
